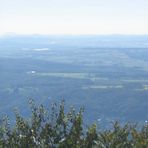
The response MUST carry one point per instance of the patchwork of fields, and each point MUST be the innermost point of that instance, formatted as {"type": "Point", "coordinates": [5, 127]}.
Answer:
{"type": "Point", "coordinates": [110, 82]}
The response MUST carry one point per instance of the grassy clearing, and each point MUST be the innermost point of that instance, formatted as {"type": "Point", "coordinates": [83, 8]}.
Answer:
{"type": "Point", "coordinates": [65, 75]}
{"type": "Point", "coordinates": [135, 80]}
{"type": "Point", "coordinates": [103, 87]}
{"type": "Point", "coordinates": [92, 77]}
{"type": "Point", "coordinates": [145, 87]}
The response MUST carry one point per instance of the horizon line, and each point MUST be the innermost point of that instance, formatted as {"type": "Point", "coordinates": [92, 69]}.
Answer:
{"type": "Point", "coordinates": [68, 34]}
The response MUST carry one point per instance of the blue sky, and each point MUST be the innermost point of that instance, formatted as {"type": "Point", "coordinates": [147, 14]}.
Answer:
{"type": "Point", "coordinates": [74, 16]}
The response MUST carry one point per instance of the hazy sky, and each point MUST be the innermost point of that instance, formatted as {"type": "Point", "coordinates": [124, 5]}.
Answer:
{"type": "Point", "coordinates": [74, 16]}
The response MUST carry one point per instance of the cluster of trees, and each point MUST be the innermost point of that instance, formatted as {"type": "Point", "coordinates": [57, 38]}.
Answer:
{"type": "Point", "coordinates": [57, 128]}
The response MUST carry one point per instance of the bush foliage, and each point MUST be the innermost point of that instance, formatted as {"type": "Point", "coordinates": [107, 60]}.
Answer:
{"type": "Point", "coordinates": [56, 128]}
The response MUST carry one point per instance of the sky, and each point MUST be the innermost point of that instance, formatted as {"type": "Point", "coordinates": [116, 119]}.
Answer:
{"type": "Point", "coordinates": [74, 16]}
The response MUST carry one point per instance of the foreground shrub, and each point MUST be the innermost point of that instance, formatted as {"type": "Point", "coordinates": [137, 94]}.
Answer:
{"type": "Point", "coordinates": [53, 128]}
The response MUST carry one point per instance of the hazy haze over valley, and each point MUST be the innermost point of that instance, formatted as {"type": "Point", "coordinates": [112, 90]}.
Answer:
{"type": "Point", "coordinates": [105, 74]}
